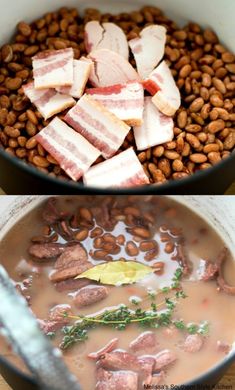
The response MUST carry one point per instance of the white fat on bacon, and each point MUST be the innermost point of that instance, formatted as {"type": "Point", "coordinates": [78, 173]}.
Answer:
{"type": "Point", "coordinates": [156, 129]}
{"type": "Point", "coordinates": [81, 71]}
{"type": "Point", "coordinates": [162, 85]}
{"type": "Point", "coordinates": [98, 125]}
{"type": "Point", "coordinates": [109, 68]}
{"type": "Point", "coordinates": [49, 102]}
{"type": "Point", "coordinates": [148, 49]}
{"type": "Point", "coordinates": [126, 101]}
{"type": "Point", "coordinates": [73, 152]}
{"type": "Point", "coordinates": [53, 68]}
{"type": "Point", "coordinates": [123, 170]}
{"type": "Point", "coordinates": [106, 36]}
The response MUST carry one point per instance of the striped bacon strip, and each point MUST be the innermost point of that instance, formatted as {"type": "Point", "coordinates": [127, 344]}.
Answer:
{"type": "Point", "coordinates": [53, 68]}
{"type": "Point", "coordinates": [162, 85]}
{"type": "Point", "coordinates": [125, 101]}
{"type": "Point", "coordinates": [123, 170]}
{"type": "Point", "coordinates": [81, 71]}
{"type": "Point", "coordinates": [157, 128]}
{"type": "Point", "coordinates": [73, 152]}
{"type": "Point", "coordinates": [109, 68]}
{"type": "Point", "coordinates": [148, 49]}
{"type": "Point", "coordinates": [49, 102]}
{"type": "Point", "coordinates": [99, 126]}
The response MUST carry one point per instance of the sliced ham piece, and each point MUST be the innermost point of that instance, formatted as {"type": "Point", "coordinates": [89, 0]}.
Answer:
{"type": "Point", "coordinates": [107, 348]}
{"type": "Point", "coordinates": [99, 126]}
{"type": "Point", "coordinates": [53, 68]}
{"type": "Point", "coordinates": [119, 380]}
{"type": "Point", "coordinates": [193, 343]}
{"type": "Point", "coordinates": [89, 295]}
{"type": "Point", "coordinates": [106, 36]}
{"type": "Point", "coordinates": [145, 342]}
{"type": "Point", "coordinates": [148, 49]}
{"type": "Point", "coordinates": [109, 68]}
{"type": "Point", "coordinates": [162, 85]}
{"type": "Point", "coordinates": [123, 170]}
{"type": "Point", "coordinates": [164, 359]}
{"type": "Point", "coordinates": [156, 129]}
{"type": "Point", "coordinates": [49, 102]}
{"type": "Point", "coordinates": [72, 151]}
{"type": "Point", "coordinates": [125, 101]}
{"type": "Point", "coordinates": [81, 71]}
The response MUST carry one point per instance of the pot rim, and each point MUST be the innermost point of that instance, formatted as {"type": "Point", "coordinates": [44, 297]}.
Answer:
{"type": "Point", "coordinates": [164, 188]}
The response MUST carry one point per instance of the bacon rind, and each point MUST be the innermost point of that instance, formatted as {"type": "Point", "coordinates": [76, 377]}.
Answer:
{"type": "Point", "coordinates": [53, 68]}
{"type": "Point", "coordinates": [106, 36]}
{"type": "Point", "coordinates": [123, 170]}
{"type": "Point", "coordinates": [72, 151]}
{"type": "Point", "coordinates": [148, 49]}
{"type": "Point", "coordinates": [125, 101]}
{"type": "Point", "coordinates": [109, 68]}
{"type": "Point", "coordinates": [156, 129]}
{"type": "Point", "coordinates": [49, 102]}
{"type": "Point", "coordinates": [99, 126]}
{"type": "Point", "coordinates": [167, 98]}
{"type": "Point", "coordinates": [81, 74]}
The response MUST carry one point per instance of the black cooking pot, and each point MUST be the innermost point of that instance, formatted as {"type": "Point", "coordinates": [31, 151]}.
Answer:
{"type": "Point", "coordinates": [18, 178]}
{"type": "Point", "coordinates": [19, 381]}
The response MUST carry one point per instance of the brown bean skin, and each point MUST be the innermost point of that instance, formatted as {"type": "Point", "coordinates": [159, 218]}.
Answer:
{"type": "Point", "coordinates": [146, 246]}
{"type": "Point", "coordinates": [131, 249]}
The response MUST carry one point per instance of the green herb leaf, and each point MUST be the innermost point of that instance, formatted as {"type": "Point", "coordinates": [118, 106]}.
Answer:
{"type": "Point", "coordinates": [117, 272]}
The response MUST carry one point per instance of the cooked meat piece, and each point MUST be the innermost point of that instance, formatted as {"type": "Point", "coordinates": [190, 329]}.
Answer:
{"type": "Point", "coordinates": [164, 359]}
{"type": "Point", "coordinates": [222, 346]}
{"type": "Point", "coordinates": [71, 284]}
{"type": "Point", "coordinates": [193, 343]}
{"type": "Point", "coordinates": [182, 257]}
{"type": "Point", "coordinates": [106, 36]}
{"type": "Point", "coordinates": [210, 272]}
{"type": "Point", "coordinates": [49, 326]}
{"type": "Point", "coordinates": [120, 360]}
{"type": "Point", "coordinates": [107, 348]}
{"type": "Point", "coordinates": [71, 263]}
{"type": "Point", "coordinates": [46, 251]}
{"type": "Point", "coordinates": [121, 380]}
{"type": "Point", "coordinates": [220, 280]}
{"type": "Point", "coordinates": [144, 343]}
{"type": "Point", "coordinates": [50, 213]}
{"type": "Point", "coordinates": [59, 313]}
{"type": "Point", "coordinates": [147, 366]}
{"type": "Point", "coordinates": [90, 295]}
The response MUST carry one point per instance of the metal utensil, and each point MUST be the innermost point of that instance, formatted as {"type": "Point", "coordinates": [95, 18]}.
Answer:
{"type": "Point", "coordinates": [23, 332]}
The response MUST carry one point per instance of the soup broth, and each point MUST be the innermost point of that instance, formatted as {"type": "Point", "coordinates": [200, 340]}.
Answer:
{"type": "Point", "coordinates": [188, 270]}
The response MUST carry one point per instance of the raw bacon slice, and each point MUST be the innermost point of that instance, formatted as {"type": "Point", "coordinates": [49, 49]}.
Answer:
{"type": "Point", "coordinates": [49, 102]}
{"type": "Point", "coordinates": [53, 68]}
{"type": "Point", "coordinates": [157, 128]}
{"type": "Point", "coordinates": [81, 71]}
{"type": "Point", "coordinates": [99, 126]}
{"type": "Point", "coordinates": [148, 49]}
{"type": "Point", "coordinates": [109, 68]}
{"type": "Point", "coordinates": [162, 85]}
{"type": "Point", "coordinates": [73, 152]}
{"type": "Point", "coordinates": [123, 170]}
{"type": "Point", "coordinates": [125, 101]}
{"type": "Point", "coordinates": [106, 36]}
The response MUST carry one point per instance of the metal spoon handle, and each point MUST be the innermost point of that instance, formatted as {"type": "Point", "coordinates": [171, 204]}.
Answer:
{"type": "Point", "coordinates": [23, 332]}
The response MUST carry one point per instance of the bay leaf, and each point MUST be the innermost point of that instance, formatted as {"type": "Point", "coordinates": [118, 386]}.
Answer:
{"type": "Point", "coordinates": [117, 272]}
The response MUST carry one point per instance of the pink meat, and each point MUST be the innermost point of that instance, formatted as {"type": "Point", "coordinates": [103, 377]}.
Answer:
{"type": "Point", "coordinates": [59, 313]}
{"type": "Point", "coordinates": [148, 49]}
{"type": "Point", "coordinates": [120, 380]}
{"type": "Point", "coordinates": [73, 152]}
{"type": "Point", "coordinates": [128, 172]}
{"type": "Point", "coordinates": [89, 295]}
{"type": "Point", "coordinates": [163, 359]}
{"type": "Point", "coordinates": [106, 36]}
{"type": "Point", "coordinates": [53, 68]}
{"type": "Point", "coordinates": [81, 70]}
{"type": "Point", "coordinates": [156, 129]}
{"type": "Point", "coordinates": [210, 271]}
{"type": "Point", "coordinates": [125, 101]}
{"type": "Point", "coordinates": [46, 251]}
{"type": "Point", "coordinates": [71, 284]}
{"type": "Point", "coordinates": [106, 349]}
{"type": "Point", "coordinates": [49, 326]}
{"type": "Point", "coordinates": [99, 126]}
{"type": "Point", "coordinates": [193, 343]}
{"type": "Point", "coordinates": [48, 101]}
{"type": "Point", "coordinates": [145, 342]}
{"type": "Point", "coordinates": [120, 360]}
{"type": "Point", "coordinates": [109, 68]}
{"type": "Point", "coordinates": [162, 85]}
